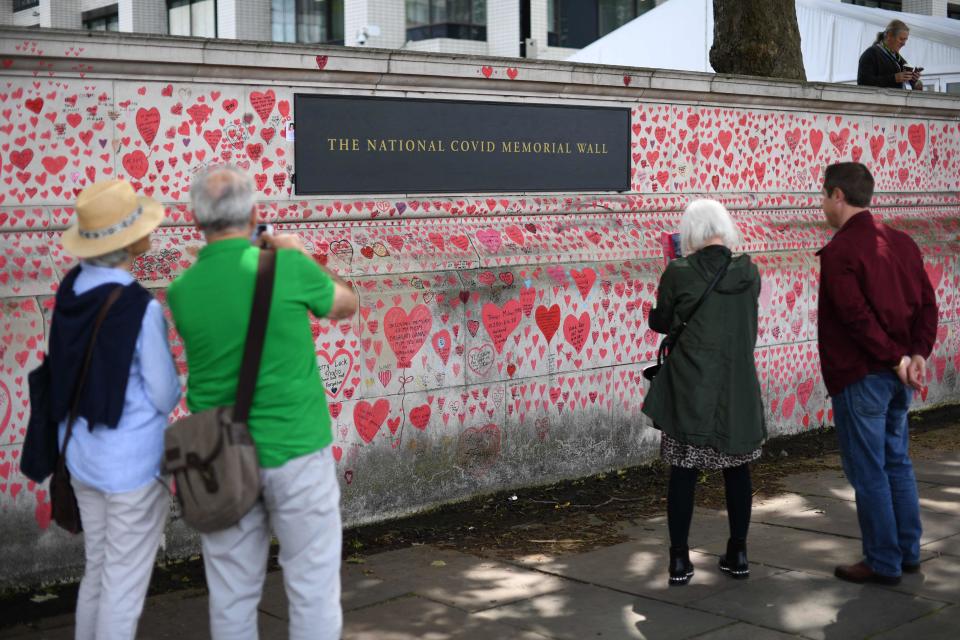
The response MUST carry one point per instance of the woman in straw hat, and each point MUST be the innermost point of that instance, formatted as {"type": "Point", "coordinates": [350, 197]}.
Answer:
{"type": "Point", "coordinates": [131, 386]}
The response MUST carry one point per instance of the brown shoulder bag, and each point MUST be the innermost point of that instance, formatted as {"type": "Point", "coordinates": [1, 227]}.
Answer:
{"type": "Point", "coordinates": [210, 454]}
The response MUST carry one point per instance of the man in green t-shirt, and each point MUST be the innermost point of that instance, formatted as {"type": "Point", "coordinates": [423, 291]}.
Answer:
{"type": "Point", "coordinates": [289, 420]}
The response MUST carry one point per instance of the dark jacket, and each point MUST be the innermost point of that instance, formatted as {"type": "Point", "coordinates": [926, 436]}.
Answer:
{"type": "Point", "coordinates": [876, 302]}
{"type": "Point", "coordinates": [877, 68]}
{"type": "Point", "coordinates": [708, 393]}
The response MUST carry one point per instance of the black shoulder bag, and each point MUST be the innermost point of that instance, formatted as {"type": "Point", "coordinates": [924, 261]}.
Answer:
{"type": "Point", "coordinates": [650, 372]}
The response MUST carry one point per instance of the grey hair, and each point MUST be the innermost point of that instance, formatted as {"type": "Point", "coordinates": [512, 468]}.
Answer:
{"type": "Point", "coordinates": [704, 220]}
{"type": "Point", "coordinates": [112, 259]}
{"type": "Point", "coordinates": [895, 27]}
{"type": "Point", "coordinates": [222, 197]}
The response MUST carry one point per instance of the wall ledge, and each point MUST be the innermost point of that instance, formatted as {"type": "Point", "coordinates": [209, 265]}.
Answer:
{"type": "Point", "coordinates": [97, 54]}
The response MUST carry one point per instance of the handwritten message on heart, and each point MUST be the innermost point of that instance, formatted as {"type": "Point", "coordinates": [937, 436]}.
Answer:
{"type": "Point", "coordinates": [406, 333]}
{"type": "Point", "coordinates": [501, 322]}
{"type": "Point", "coordinates": [441, 344]}
{"type": "Point", "coordinates": [481, 358]}
{"type": "Point", "coordinates": [148, 123]}
{"type": "Point", "coordinates": [420, 416]}
{"type": "Point", "coordinates": [548, 320]}
{"type": "Point", "coordinates": [576, 330]}
{"type": "Point", "coordinates": [334, 370]}
{"type": "Point", "coordinates": [368, 418]}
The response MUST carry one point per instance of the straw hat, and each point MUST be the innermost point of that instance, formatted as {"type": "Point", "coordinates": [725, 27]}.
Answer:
{"type": "Point", "coordinates": [110, 216]}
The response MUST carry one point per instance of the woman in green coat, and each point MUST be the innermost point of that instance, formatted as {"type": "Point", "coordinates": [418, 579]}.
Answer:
{"type": "Point", "coordinates": [706, 398]}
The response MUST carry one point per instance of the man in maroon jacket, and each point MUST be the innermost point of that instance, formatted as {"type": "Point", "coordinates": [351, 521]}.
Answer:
{"type": "Point", "coordinates": [877, 326]}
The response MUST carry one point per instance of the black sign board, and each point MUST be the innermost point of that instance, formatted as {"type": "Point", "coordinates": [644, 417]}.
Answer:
{"type": "Point", "coordinates": [348, 144]}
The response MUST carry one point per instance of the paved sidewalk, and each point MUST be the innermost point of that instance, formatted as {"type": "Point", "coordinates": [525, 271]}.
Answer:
{"type": "Point", "coordinates": [621, 591]}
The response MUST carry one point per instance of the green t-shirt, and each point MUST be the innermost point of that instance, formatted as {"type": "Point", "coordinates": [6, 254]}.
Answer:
{"type": "Point", "coordinates": [211, 304]}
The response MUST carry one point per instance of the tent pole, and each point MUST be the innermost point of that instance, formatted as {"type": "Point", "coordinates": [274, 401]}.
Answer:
{"type": "Point", "coordinates": [833, 49]}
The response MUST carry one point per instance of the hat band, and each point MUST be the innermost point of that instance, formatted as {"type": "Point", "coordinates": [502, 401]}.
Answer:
{"type": "Point", "coordinates": [112, 229]}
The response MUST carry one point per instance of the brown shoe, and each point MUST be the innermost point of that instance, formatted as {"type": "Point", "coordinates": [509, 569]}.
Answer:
{"type": "Point", "coordinates": [861, 573]}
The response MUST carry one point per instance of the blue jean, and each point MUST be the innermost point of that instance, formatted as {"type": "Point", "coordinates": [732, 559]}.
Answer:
{"type": "Point", "coordinates": [871, 417]}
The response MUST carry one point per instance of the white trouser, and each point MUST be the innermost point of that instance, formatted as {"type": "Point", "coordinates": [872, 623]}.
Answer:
{"type": "Point", "coordinates": [121, 533]}
{"type": "Point", "coordinates": [301, 502]}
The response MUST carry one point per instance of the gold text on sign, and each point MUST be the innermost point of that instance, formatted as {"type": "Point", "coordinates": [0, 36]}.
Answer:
{"type": "Point", "coordinates": [457, 145]}
{"type": "Point", "coordinates": [344, 144]}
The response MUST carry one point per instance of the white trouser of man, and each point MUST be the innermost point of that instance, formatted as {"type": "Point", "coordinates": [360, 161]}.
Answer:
{"type": "Point", "coordinates": [301, 502]}
{"type": "Point", "coordinates": [121, 534]}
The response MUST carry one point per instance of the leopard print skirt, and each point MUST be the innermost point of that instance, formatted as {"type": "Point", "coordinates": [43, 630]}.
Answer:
{"type": "Point", "coordinates": [688, 456]}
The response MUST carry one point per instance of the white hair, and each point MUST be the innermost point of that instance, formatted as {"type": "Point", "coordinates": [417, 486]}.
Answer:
{"type": "Point", "coordinates": [222, 197]}
{"type": "Point", "coordinates": [704, 220]}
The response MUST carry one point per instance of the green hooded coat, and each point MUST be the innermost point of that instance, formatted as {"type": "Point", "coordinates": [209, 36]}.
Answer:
{"type": "Point", "coordinates": [708, 393]}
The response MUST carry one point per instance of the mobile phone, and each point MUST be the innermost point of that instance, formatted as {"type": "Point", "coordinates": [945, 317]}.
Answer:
{"type": "Point", "coordinates": [259, 230]}
{"type": "Point", "coordinates": [671, 246]}
{"type": "Point", "coordinates": [675, 242]}
{"type": "Point", "coordinates": [918, 69]}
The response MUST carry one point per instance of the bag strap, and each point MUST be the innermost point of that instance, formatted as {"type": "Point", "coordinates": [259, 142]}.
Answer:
{"type": "Point", "coordinates": [256, 333]}
{"type": "Point", "coordinates": [88, 357]}
{"type": "Point", "coordinates": [671, 339]}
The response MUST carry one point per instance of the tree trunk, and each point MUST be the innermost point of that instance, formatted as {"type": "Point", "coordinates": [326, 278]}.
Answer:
{"type": "Point", "coordinates": [757, 38]}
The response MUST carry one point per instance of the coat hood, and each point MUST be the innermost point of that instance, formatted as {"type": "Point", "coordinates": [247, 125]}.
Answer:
{"type": "Point", "coordinates": [741, 275]}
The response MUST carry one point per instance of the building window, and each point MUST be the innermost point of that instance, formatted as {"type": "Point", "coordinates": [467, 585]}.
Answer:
{"type": "Point", "coordinates": [308, 21]}
{"type": "Point", "coordinates": [577, 23]}
{"type": "Point", "coordinates": [953, 11]}
{"type": "Point", "coordinates": [953, 88]}
{"type": "Point", "coordinates": [102, 19]}
{"type": "Point", "coordinates": [459, 19]}
{"type": "Point", "coordinates": [889, 5]}
{"type": "Point", "coordinates": [21, 5]}
{"type": "Point", "coordinates": [196, 18]}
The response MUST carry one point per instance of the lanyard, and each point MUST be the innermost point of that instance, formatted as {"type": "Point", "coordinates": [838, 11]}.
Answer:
{"type": "Point", "coordinates": [893, 56]}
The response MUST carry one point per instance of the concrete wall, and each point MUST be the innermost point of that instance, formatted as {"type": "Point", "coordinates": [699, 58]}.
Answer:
{"type": "Point", "coordinates": [503, 28]}
{"type": "Point", "coordinates": [925, 7]}
{"type": "Point", "coordinates": [142, 16]}
{"type": "Point", "coordinates": [244, 20]}
{"type": "Point", "coordinates": [60, 14]}
{"type": "Point", "coordinates": [388, 15]}
{"type": "Point", "coordinates": [523, 314]}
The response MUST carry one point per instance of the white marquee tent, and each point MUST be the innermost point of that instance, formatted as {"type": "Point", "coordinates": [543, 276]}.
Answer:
{"type": "Point", "coordinates": [678, 35]}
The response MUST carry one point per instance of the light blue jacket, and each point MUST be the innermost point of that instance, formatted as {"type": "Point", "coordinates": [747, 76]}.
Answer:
{"type": "Point", "coordinates": [128, 458]}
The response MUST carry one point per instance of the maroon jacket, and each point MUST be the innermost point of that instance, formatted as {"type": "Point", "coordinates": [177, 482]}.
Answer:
{"type": "Point", "coordinates": [876, 303]}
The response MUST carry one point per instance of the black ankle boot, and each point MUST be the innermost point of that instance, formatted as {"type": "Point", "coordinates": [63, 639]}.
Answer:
{"type": "Point", "coordinates": [734, 562]}
{"type": "Point", "coordinates": [681, 569]}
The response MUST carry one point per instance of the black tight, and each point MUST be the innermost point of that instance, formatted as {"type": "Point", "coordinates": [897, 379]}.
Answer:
{"type": "Point", "coordinates": [683, 482]}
